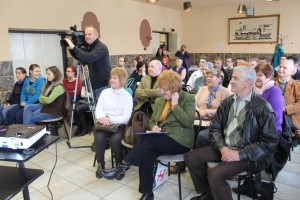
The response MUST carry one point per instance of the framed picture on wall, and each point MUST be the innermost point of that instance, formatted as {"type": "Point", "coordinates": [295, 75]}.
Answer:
{"type": "Point", "coordinates": [256, 29]}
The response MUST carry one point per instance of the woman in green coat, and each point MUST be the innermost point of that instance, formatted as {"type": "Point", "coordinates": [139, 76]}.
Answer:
{"type": "Point", "coordinates": [174, 114]}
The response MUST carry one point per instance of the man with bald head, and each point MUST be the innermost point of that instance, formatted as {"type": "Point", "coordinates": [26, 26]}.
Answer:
{"type": "Point", "coordinates": [290, 91]}
{"type": "Point", "coordinates": [148, 90]}
{"type": "Point", "coordinates": [96, 56]}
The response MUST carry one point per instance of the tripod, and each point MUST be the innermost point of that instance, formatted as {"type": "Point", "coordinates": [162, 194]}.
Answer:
{"type": "Point", "coordinates": [91, 101]}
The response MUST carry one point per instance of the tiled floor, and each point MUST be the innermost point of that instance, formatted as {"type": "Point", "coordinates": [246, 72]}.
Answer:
{"type": "Point", "coordinates": [74, 177]}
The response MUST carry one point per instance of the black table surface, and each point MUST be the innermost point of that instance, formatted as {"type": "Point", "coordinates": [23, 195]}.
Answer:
{"type": "Point", "coordinates": [17, 155]}
{"type": "Point", "coordinates": [14, 179]}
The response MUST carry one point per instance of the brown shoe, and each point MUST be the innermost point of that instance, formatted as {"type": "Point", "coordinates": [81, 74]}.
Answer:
{"type": "Point", "coordinates": [101, 166]}
{"type": "Point", "coordinates": [174, 169]}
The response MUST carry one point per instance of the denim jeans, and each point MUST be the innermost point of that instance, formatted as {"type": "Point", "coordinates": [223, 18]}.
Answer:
{"type": "Point", "coordinates": [3, 112]}
{"type": "Point", "coordinates": [32, 113]}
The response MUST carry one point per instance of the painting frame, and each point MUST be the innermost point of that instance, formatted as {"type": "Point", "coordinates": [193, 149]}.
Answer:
{"type": "Point", "coordinates": [253, 30]}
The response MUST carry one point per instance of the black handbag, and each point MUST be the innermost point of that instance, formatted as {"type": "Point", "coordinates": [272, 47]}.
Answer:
{"type": "Point", "coordinates": [263, 190]}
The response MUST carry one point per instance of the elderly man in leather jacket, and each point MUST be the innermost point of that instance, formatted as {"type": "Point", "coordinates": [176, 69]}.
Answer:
{"type": "Point", "coordinates": [244, 138]}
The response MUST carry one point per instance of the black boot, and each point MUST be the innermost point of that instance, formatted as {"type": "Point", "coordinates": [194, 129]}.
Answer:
{"type": "Point", "coordinates": [116, 173]}
{"type": "Point", "coordinates": [101, 166]}
{"type": "Point", "coordinates": [149, 196]}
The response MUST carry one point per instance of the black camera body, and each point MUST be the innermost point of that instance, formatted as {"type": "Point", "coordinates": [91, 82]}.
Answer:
{"type": "Point", "coordinates": [77, 38]}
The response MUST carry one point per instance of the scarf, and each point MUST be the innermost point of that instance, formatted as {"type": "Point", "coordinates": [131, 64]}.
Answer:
{"type": "Point", "coordinates": [212, 95]}
{"type": "Point", "coordinates": [264, 88]}
{"type": "Point", "coordinates": [51, 87]}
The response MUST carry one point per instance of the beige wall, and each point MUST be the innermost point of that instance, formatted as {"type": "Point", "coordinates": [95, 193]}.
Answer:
{"type": "Point", "coordinates": [119, 20]}
{"type": "Point", "coordinates": [205, 30]}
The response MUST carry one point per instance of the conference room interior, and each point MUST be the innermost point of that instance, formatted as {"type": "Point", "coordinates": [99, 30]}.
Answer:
{"type": "Point", "coordinates": [29, 35]}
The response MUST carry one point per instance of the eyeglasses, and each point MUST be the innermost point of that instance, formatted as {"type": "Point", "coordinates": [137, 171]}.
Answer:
{"type": "Point", "coordinates": [69, 71]}
{"type": "Point", "coordinates": [163, 90]}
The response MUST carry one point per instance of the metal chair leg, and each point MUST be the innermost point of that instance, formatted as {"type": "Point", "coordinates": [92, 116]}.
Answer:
{"type": "Point", "coordinates": [179, 181]}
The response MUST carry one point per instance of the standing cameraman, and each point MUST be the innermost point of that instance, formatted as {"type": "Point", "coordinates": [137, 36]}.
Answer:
{"type": "Point", "coordinates": [96, 57]}
{"type": "Point", "coordinates": [184, 56]}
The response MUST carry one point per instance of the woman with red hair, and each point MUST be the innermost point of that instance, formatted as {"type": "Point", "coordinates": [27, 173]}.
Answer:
{"type": "Point", "coordinates": [70, 82]}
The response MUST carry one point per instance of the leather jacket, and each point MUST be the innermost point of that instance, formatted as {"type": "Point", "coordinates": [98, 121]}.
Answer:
{"type": "Point", "coordinates": [260, 137]}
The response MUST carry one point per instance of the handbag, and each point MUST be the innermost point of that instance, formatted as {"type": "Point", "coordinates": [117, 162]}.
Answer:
{"type": "Point", "coordinates": [264, 189]}
{"type": "Point", "coordinates": [113, 128]}
{"type": "Point", "coordinates": [137, 123]}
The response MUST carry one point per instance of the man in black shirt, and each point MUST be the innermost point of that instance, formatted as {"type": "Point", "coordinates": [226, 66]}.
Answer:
{"type": "Point", "coordinates": [96, 57]}
{"type": "Point", "coordinates": [219, 65]}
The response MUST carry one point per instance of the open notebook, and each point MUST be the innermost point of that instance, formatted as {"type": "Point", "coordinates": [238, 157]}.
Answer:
{"type": "Point", "coordinates": [152, 132]}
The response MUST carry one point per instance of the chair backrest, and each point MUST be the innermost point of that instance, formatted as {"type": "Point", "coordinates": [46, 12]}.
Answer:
{"type": "Point", "coordinates": [131, 86]}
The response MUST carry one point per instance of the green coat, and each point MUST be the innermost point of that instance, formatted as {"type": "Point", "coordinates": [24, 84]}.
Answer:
{"type": "Point", "coordinates": [180, 120]}
{"type": "Point", "coordinates": [144, 93]}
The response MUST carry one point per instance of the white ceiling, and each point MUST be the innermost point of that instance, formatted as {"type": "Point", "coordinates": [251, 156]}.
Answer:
{"type": "Point", "coordinates": [197, 4]}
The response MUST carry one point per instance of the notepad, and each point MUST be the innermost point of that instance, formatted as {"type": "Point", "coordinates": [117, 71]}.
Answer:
{"type": "Point", "coordinates": [152, 132]}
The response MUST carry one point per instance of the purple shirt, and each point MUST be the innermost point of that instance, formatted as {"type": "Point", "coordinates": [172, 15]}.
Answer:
{"type": "Point", "coordinates": [274, 97]}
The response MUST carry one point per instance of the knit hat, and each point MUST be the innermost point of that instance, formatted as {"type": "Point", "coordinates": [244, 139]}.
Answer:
{"type": "Point", "coordinates": [139, 65]}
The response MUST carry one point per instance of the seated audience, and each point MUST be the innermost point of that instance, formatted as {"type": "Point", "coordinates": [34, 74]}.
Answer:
{"type": "Point", "coordinates": [243, 139]}
{"type": "Point", "coordinates": [14, 98]}
{"type": "Point", "coordinates": [166, 53]}
{"type": "Point", "coordinates": [296, 72]}
{"type": "Point", "coordinates": [290, 90]}
{"type": "Point", "coordinates": [122, 63]}
{"type": "Point", "coordinates": [165, 64]}
{"type": "Point", "coordinates": [159, 54]}
{"type": "Point", "coordinates": [254, 62]}
{"type": "Point", "coordinates": [134, 63]}
{"type": "Point", "coordinates": [81, 107]}
{"type": "Point", "coordinates": [51, 101]}
{"type": "Point", "coordinates": [266, 59]}
{"type": "Point", "coordinates": [196, 74]}
{"type": "Point", "coordinates": [208, 99]}
{"type": "Point", "coordinates": [173, 113]}
{"type": "Point", "coordinates": [264, 87]}
{"type": "Point", "coordinates": [180, 69]}
{"type": "Point", "coordinates": [70, 83]}
{"type": "Point", "coordinates": [219, 65]}
{"type": "Point", "coordinates": [31, 90]}
{"type": "Point", "coordinates": [114, 107]}
{"type": "Point", "coordinates": [200, 81]}
{"type": "Point", "coordinates": [139, 73]}
{"type": "Point", "coordinates": [229, 67]}
{"type": "Point", "coordinates": [140, 58]}
{"type": "Point", "coordinates": [239, 61]}
{"type": "Point", "coordinates": [148, 90]}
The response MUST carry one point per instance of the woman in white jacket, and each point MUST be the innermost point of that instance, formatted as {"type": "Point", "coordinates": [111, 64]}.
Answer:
{"type": "Point", "coordinates": [114, 107]}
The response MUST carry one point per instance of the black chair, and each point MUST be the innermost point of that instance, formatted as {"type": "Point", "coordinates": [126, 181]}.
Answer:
{"type": "Point", "coordinates": [179, 162]}
{"type": "Point", "coordinates": [52, 125]}
{"type": "Point", "coordinates": [255, 177]}
{"type": "Point", "coordinates": [112, 154]}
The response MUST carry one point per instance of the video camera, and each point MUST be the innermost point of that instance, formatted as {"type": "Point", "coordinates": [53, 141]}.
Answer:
{"type": "Point", "coordinates": [77, 38]}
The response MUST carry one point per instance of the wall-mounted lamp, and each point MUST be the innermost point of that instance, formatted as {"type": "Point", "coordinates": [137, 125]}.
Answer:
{"type": "Point", "coordinates": [241, 9]}
{"type": "Point", "coordinates": [271, 0]}
{"type": "Point", "coordinates": [187, 6]}
{"type": "Point", "coordinates": [151, 1]}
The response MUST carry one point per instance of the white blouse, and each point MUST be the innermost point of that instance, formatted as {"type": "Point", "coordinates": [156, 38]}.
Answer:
{"type": "Point", "coordinates": [116, 104]}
